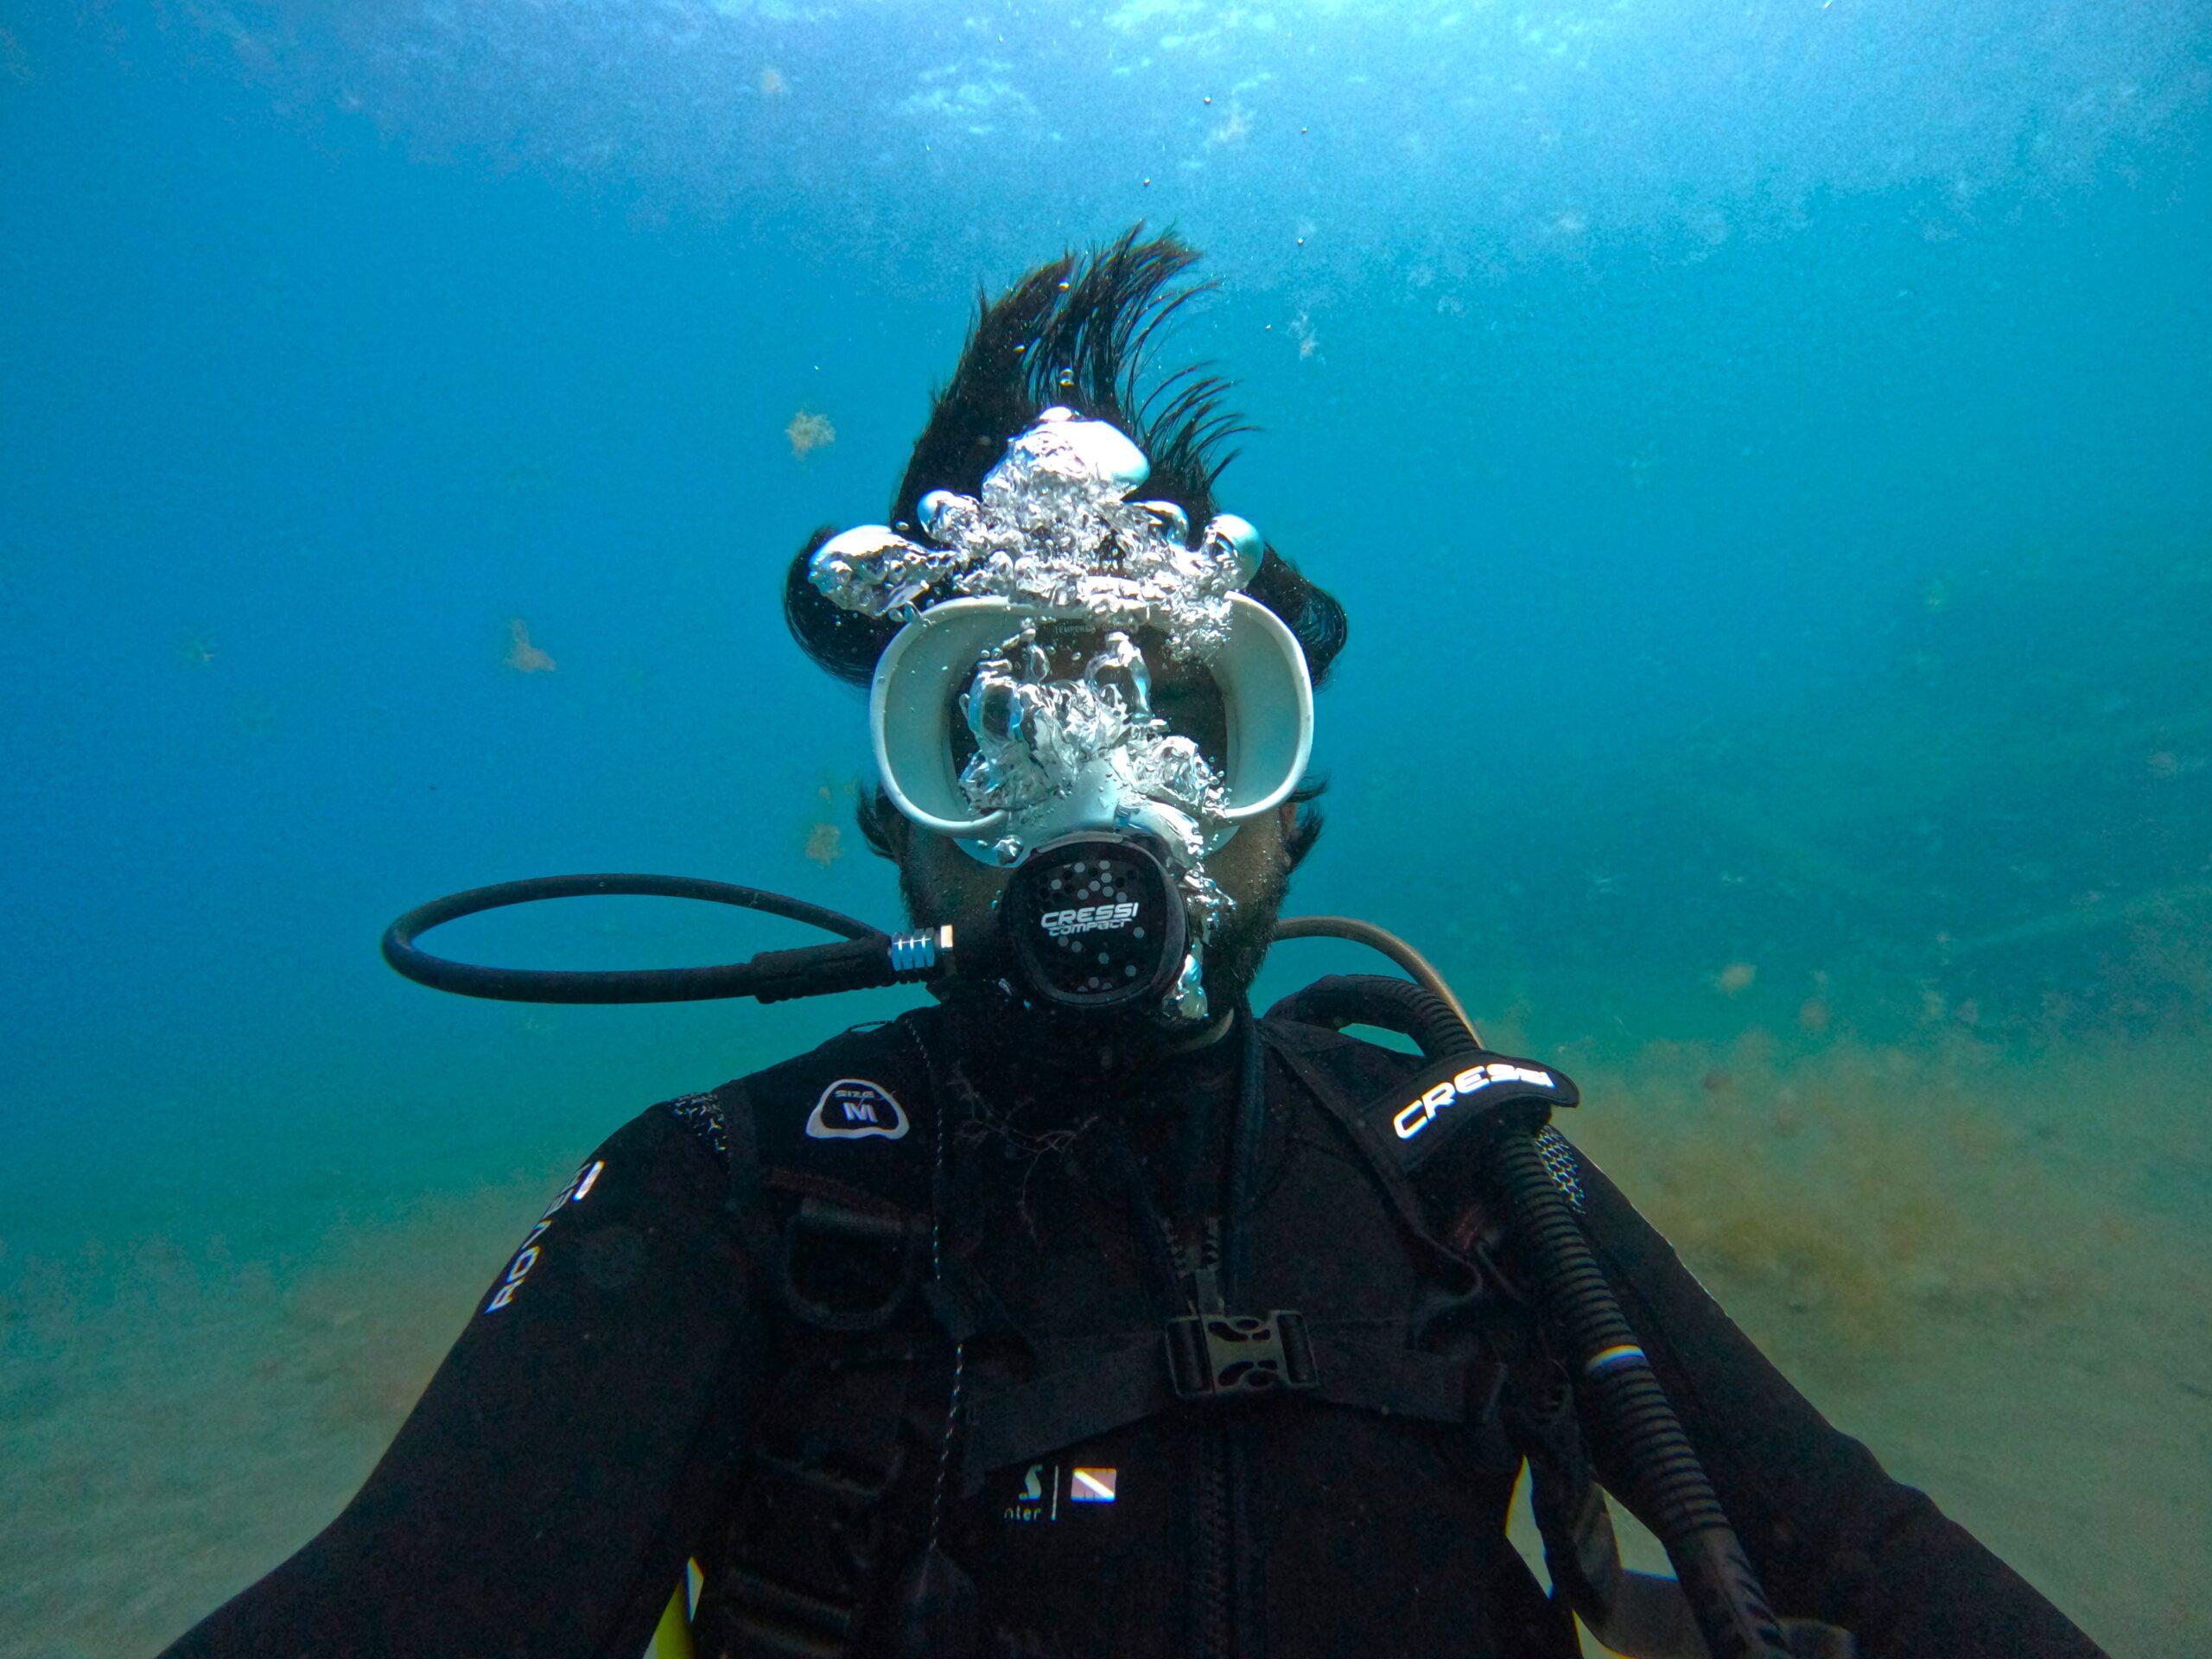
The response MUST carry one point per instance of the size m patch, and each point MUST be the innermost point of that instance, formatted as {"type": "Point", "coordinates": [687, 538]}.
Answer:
{"type": "Point", "coordinates": [853, 1108]}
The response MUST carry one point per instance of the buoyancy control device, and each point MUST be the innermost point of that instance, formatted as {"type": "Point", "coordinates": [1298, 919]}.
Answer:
{"type": "Point", "coordinates": [1463, 1095]}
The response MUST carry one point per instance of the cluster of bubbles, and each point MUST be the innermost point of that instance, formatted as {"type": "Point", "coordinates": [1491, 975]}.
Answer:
{"type": "Point", "coordinates": [1053, 529]}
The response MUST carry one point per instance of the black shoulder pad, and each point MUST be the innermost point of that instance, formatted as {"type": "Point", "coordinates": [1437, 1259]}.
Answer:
{"type": "Point", "coordinates": [1411, 1110]}
{"type": "Point", "coordinates": [854, 1112]}
{"type": "Point", "coordinates": [1441, 1102]}
{"type": "Point", "coordinates": [1358, 1068]}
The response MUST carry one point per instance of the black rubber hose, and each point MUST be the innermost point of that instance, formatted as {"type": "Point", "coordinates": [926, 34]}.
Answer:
{"type": "Point", "coordinates": [1342, 1000]}
{"type": "Point", "coordinates": [642, 985]}
{"type": "Point", "coordinates": [1418, 967]}
{"type": "Point", "coordinates": [1626, 1403]}
{"type": "Point", "coordinates": [1628, 1407]}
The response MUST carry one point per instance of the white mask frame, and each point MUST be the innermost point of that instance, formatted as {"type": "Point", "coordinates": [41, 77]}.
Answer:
{"type": "Point", "coordinates": [1268, 701]}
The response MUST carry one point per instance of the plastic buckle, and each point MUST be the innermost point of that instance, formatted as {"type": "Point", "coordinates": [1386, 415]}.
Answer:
{"type": "Point", "coordinates": [1226, 1356]}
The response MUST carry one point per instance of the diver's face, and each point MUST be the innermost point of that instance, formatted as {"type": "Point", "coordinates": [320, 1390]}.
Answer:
{"type": "Point", "coordinates": [943, 883]}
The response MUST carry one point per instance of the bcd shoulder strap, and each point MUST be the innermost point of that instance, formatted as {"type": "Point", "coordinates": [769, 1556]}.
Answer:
{"type": "Point", "coordinates": [831, 1160]}
{"type": "Point", "coordinates": [1421, 1136]}
{"type": "Point", "coordinates": [1416, 1124]}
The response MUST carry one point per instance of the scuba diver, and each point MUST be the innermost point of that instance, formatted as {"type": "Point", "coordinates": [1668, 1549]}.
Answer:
{"type": "Point", "coordinates": [1083, 1310]}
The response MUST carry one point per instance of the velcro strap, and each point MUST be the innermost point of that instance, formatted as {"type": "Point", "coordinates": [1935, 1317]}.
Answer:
{"type": "Point", "coordinates": [842, 1194]}
{"type": "Point", "coordinates": [1065, 1408]}
{"type": "Point", "coordinates": [1405, 1381]}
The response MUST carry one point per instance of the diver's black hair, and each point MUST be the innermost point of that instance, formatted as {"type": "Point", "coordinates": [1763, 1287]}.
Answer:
{"type": "Point", "coordinates": [1075, 332]}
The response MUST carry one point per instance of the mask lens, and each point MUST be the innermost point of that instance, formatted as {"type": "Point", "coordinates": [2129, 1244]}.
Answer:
{"type": "Point", "coordinates": [1227, 737]}
{"type": "Point", "coordinates": [1188, 700]}
{"type": "Point", "coordinates": [1184, 694]}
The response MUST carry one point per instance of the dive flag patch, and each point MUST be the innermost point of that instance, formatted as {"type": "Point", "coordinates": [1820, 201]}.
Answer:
{"type": "Point", "coordinates": [852, 1108]}
{"type": "Point", "coordinates": [1092, 1485]}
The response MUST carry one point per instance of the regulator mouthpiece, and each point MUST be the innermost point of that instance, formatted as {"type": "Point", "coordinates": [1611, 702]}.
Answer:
{"type": "Point", "coordinates": [1095, 923]}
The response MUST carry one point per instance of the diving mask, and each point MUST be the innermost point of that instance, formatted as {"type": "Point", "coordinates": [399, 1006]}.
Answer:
{"type": "Point", "coordinates": [1018, 711]}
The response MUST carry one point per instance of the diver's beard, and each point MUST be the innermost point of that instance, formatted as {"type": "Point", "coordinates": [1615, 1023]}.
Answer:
{"type": "Point", "coordinates": [995, 1014]}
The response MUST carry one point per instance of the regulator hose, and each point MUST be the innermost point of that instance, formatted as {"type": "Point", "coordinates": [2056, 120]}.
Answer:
{"type": "Point", "coordinates": [865, 958]}
{"type": "Point", "coordinates": [1418, 966]}
{"type": "Point", "coordinates": [1629, 1408]}
{"type": "Point", "coordinates": [1436, 1025]}
{"type": "Point", "coordinates": [1622, 1398]}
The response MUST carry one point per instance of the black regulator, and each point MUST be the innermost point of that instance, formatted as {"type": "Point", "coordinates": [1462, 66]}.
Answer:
{"type": "Point", "coordinates": [1088, 924]}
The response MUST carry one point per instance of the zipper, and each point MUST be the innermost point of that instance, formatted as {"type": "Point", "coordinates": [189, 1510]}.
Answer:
{"type": "Point", "coordinates": [1193, 1272]}
{"type": "Point", "coordinates": [1197, 1255]}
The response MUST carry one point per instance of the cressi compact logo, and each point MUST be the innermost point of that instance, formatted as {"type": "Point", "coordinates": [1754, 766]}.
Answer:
{"type": "Point", "coordinates": [1091, 919]}
{"type": "Point", "coordinates": [1418, 1115]}
{"type": "Point", "coordinates": [852, 1109]}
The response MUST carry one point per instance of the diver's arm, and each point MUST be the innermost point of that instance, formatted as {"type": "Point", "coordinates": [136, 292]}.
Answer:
{"type": "Point", "coordinates": [1833, 1537]}
{"type": "Point", "coordinates": [544, 1495]}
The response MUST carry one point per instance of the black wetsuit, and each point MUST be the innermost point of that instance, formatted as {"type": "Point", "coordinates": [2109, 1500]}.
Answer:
{"type": "Point", "coordinates": [660, 1374]}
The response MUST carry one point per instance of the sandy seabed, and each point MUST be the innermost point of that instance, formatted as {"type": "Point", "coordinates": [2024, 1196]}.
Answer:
{"type": "Point", "coordinates": [1993, 1273]}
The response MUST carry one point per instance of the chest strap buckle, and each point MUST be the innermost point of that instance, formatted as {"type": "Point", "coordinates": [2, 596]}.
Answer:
{"type": "Point", "coordinates": [1227, 1355]}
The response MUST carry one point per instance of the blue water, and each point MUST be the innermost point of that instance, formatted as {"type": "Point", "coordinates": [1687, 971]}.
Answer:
{"type": "Point", "coordinates": [1763, 451]}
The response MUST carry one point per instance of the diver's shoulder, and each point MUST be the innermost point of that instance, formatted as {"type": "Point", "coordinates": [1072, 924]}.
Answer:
{"type": "Point", "coordinates": [1353, 1063]}
{"type": "Point", "coordinates": [854, 1086]}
